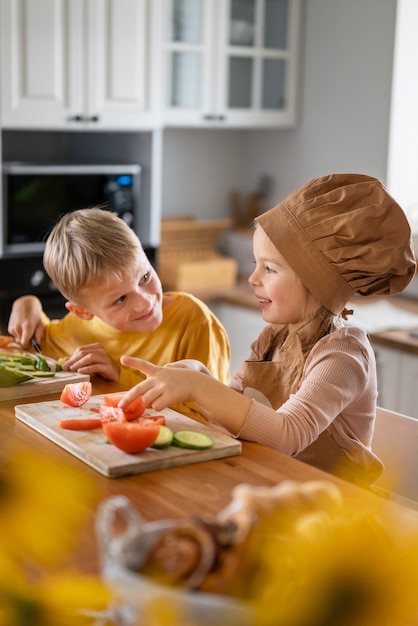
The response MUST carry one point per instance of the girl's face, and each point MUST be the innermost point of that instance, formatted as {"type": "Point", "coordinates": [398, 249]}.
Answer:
{"type": "Point", "coordinates": [282, 297]}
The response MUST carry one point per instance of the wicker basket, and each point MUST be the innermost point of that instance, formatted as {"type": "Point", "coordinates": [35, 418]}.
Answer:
{"type": "Point", "coordinates": [188, 260]}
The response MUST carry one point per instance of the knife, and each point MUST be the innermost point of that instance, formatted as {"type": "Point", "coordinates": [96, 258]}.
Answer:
{"type": "Point", "coordinates": [35, 345]}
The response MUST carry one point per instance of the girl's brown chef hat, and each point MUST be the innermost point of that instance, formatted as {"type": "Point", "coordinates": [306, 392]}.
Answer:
{"type": "Point", "coordinates": [343, 234]}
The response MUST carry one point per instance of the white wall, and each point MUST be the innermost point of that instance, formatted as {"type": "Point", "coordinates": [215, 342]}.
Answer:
{"type": "Point", "coordinates": [403, 139]}
{"type": "Point", "coordinates": [346, 73]}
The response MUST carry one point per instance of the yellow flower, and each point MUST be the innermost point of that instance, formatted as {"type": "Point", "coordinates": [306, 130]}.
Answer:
{"type": "Point", "coordinates": [64, 600]}
{"type": "Point", "coordinates": [41, 502]}
{"type": "Point", "coordinates": [338, 569]}
{"type": "Point", "coordinates": [70, 599]}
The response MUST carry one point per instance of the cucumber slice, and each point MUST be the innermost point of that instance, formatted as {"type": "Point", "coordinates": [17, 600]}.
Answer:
{"type": "Point", "coordinates": [192, 439]}
{"type": "Point", "coordinates": [38, 374]}
{"type": "Point", "coordinates": [164, 438]}
{"type": "Point", "coordinates": [24, 368]}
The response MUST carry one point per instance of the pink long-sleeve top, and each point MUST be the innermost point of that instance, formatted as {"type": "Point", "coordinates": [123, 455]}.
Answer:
{"type": "Point", "coordinates": [337, 394]}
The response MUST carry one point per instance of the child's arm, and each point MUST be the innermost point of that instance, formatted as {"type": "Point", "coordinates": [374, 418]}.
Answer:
{"type": "Point", "coordinates": [165, 386]}
{"type": "Point", "coordinates": [25, 320]}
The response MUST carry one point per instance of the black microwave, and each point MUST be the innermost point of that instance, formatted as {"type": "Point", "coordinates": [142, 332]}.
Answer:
{"type": "Point", "coordinates": [36, 195]}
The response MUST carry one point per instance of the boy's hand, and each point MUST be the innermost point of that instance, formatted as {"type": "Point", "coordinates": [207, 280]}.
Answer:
{"type": "Point", "coordinates": [25, 320]}
{"type": "Point", "coordinates": [92, 359]}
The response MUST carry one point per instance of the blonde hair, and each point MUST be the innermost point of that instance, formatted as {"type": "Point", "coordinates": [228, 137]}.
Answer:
{"type": "Point", "coordinates": [321, 324]}
{"type": "Point", "coordinates": [88, 247]}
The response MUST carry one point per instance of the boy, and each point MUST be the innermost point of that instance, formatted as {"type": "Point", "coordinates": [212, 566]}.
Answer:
{"type": "Point", "coordinates": [116, 305]}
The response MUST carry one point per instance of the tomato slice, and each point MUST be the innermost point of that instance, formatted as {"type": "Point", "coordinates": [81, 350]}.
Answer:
{"type": "Point", "coordinates": [80, 424]}
{"type": "Point", "coordinates": [76, 394]}
{"type": "Point", "coordinates": [130, 437]}
{"type": "Point", "coordinates": [111, 414]}
{"type": "Point", "coordinates": [152, 420]}
{"type": "Point", "coordinates": [5, 340]}
{"type": "Point", "coordinates": [132, 412]}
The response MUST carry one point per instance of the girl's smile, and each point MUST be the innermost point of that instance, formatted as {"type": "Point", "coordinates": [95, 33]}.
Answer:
{"type": "Point", "coordinates": [282, 297]}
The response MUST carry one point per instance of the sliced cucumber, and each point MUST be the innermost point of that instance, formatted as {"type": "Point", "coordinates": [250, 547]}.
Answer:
{"type": "Point", "coordinates": [192, 439]}
{"type": "Point", "coordinates": [39, 374]}
{"type": "Point", "coordinates": [164, 439]}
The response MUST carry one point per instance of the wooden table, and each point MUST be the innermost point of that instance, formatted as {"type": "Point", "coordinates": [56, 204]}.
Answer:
{"type": "Point", "coordinates": [202, 488]}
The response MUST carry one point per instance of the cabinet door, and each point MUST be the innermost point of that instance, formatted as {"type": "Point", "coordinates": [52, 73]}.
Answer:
{"type": "Point", "coordinates": [257, 62]}
{"type": "Point", "coordinates": [408, 386]}
{"type": "Point", "coordinates": [229, 62]}
{"type": "Point", "coordinates": [116, 94]}
{"type": "Point", "coordinates": [243, 326]}
{"type": "Point", "coordinates": [42, 73]}
{"type": "Point", "coordinates": [184, 41]}
{"type": "Point", "coordinates": [388, 364]}
{"type": "Point", "coordinates": [74, 64]}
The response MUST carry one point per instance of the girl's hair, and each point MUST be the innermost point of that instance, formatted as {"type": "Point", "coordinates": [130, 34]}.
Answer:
{"type": "Point", "coordinates": [320, 325]}
{"type": "Point", "coordinates": [89, 247]}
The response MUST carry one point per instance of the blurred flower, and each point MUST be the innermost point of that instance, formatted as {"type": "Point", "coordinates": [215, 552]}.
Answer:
{"type": "Point", "coordinates": [345, 569]}
{"type": "Point", "coordinates": [42, 504]}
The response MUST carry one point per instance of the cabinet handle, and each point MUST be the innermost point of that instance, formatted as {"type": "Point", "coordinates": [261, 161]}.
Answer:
{"type": "Point", "coordinates": [215, 118]}
{"type": "Point", "coordinates": [93, 118]}
{"type": "Point", "coordinates": [76, 118]}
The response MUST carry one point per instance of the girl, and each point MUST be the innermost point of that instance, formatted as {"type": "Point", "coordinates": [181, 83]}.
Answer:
{"type": "Point", "coordinates": [309, 386]}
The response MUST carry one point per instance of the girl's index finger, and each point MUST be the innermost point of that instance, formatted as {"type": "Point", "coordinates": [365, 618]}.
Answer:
{"type": "Point", "coordinates": [141, 365]}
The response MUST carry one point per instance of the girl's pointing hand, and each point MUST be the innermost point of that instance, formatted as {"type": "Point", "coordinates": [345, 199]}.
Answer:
{"type": "Point", "coordinates": [162, 387]}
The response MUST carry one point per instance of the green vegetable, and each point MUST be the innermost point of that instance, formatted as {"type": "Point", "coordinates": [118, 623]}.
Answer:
{"type": "Point", "coordinates": [38, 374]}
{"type": "Point", "coordinates": [192, 439]}
{"type": "Point", "coordinates": [10, 376]}
{"type": "Point", "coordinates": [60, 361]}
{"type": "Point", "coordinates": [164, 438]}
{"type": "Point", "coordinates": [41, 364]}
{"type": "Point", "coordinates": [16, 368]}
{"type": "Point", "coordinates": [27, 360]}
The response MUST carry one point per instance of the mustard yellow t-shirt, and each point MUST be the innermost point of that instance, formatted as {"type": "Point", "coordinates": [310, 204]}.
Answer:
{"type": "Point", "coordinates": [189, 330]}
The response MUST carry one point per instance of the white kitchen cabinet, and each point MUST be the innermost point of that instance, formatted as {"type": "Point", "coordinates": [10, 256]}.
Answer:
{"type": "Point", "coordinates": [389, 362]}
{"type": "Point", "coordinates": [227, 62]}
{"type": "Point", "coordinates": [243, 327]}
{"type": "Point", "coordinates": [397, 379]}
{"type": "Point", "coordinates": [408, 385]}
{"type": "Point", "coordinates": [74, 64]}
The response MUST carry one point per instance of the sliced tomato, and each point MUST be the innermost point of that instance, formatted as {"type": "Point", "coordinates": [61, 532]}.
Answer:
{"type": "Point", "coordinates": [111, 414]}
{"type": "Point", "coordinates": [5, 340]}
{"type": "Point", "coordinates": [80, 424]}
{"type": "Point", "coordinates": [76, 394]}
{"type": "Point", "coordinates": [152, 420]}
{"type": "Point", "coordinates": [130, 437]}
{"type": "Point", "coordinates": [132, 412]}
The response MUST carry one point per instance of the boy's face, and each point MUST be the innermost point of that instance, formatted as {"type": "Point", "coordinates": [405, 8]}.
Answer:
{"type": "Point", "coordinates": [133, 304]}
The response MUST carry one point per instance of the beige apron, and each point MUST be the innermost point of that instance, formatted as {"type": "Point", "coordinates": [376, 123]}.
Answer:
{"type": "Point", "coordinates": [270, 382]}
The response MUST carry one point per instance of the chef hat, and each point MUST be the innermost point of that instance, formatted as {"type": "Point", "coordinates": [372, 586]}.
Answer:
{"type": "Point", "coordinates": [343, 234]}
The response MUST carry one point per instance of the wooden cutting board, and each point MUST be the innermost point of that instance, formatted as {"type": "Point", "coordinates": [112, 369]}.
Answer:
{"type": "Point", "coordinates": [91, 446]}
{"type": "Point", "coordinates": [42, 386]}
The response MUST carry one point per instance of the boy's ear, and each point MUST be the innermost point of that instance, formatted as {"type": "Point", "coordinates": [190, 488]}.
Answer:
{"type": "Point", "coordinates": [78, 311]}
